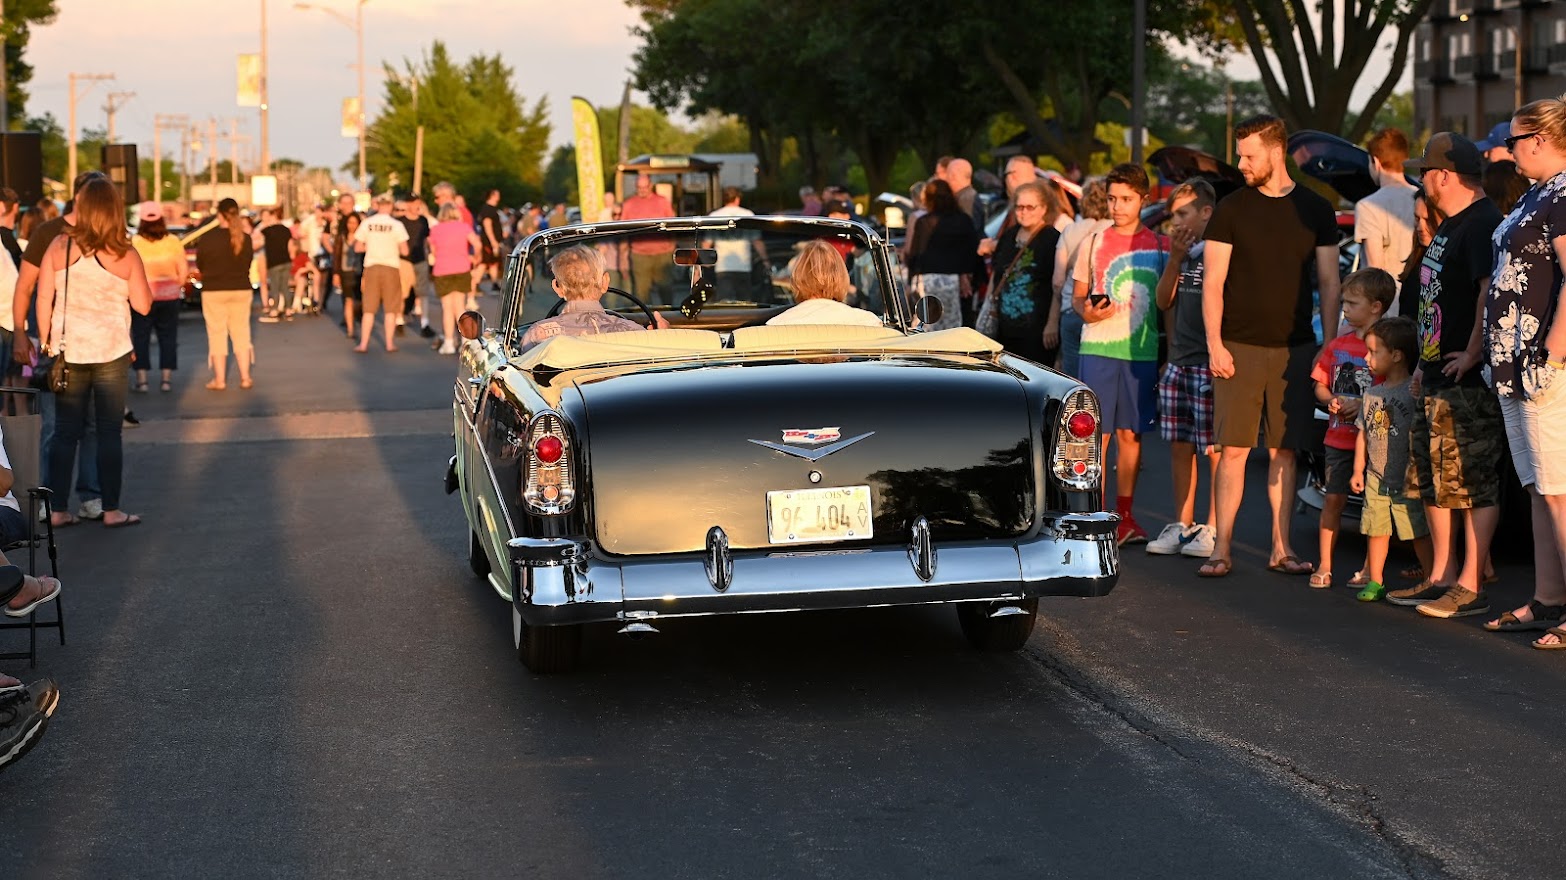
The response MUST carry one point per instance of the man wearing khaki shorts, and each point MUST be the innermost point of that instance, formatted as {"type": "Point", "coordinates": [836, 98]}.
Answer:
{"type": "Point", "coordinates": [1261, 244]}
{"type": "Point", "coordinates": [384, 241]}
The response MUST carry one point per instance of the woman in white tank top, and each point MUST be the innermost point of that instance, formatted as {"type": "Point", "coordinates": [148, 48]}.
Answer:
{"type": "Point", "coordinates": [88, 283]}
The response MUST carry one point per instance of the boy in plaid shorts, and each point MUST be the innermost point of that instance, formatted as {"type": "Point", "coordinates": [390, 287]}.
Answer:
{"type": "Point", "coordinates": [1185, 390]}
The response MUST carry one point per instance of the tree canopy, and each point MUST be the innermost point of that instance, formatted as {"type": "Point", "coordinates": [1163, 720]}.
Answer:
{"type": "Point", "coordinates": [16, 26]}
{"type": "Point", "coordinates": [478, 132]}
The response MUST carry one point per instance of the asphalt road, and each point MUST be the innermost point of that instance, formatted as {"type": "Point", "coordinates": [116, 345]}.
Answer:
{"type": "Point", "coordinates": [288, 671]}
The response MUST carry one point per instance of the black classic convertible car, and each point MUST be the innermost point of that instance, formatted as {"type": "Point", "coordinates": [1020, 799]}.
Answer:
{"type": "Point", "coordinates": [723, 465]}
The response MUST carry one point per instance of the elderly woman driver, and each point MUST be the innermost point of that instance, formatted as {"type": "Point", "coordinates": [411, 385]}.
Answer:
{"type": "Point", "coordinates": [580, 280]}
{"type": "Point", "coordinates": [821, 285]}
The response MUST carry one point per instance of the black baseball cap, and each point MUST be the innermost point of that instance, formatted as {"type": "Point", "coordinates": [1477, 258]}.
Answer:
{"type": "Point", "coordinates": [1448, 151]}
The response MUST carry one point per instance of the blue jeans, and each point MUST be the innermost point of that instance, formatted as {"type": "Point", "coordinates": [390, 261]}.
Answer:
{"type": "Point", "coordinates": [87, 454]}
{"type": "Point", "coordinates": [99, 389]}
{"type": "Point", "coordinates": [1071, 343]}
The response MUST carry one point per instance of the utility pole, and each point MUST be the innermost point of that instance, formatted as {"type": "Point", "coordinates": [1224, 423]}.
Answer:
{"type": "Point", "coordinates": [234, 140]}
{"type": "Point", "coordinates": [1138, 77]}
{"type": "Point", "coordinates": [186, 136]}
{"type": "Point", "coordinates": [266, 142]}
{"type": "Point", "coordinates": [212, 155]}
{"type": "Point", "coordinates": [112, 105]}
{"type": "Point", "coordinates": [90, 79]}
{"type": "Point", "coordinates": [358, 27]}
{"type": "Point", "coordinates": [160, 121]}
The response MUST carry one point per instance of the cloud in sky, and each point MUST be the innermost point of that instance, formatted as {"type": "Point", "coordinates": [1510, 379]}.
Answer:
{"type": "Point", "coordinates": [179, 56]}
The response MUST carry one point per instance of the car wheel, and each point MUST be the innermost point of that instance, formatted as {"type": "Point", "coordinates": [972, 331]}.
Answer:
{"type": "Point", "coordinates": [1007, 633]}
{"type": "Point", "coordinates": [545, 649]}
{"type": "Point", "coordinates": [476, 558]}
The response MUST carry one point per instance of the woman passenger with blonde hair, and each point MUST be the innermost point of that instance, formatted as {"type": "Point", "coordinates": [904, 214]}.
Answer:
{"type": "Point", "coordinates": [820, 280]}
{"type": "Point", "coordinates": [1525, 344]}
{"type": "Point", "coordinates": [88, 283]}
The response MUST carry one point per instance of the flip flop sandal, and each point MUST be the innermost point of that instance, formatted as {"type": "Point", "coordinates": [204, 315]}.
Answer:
{"type": "Point", "coordinates": [1321, 580]}
{"type": "Point", "coordinates": [47, 596]}
{"type": "Point", "coordinates": [1543, 617]}
{"type": "Point", "coordinates": [1359, 579]}
{"type": "Point", "coordinates": [67, 522]}
{"type": "Point", "coordinates": [1559, 632]}
{"type": "Point", "coordinates": [166, 386]}
{"type": "Point", "coordinates": [127, 522]}
{"type": "Point", "coordinates": [1215, 568]}
{"type": "Point", "coordinates": [1291, 565]}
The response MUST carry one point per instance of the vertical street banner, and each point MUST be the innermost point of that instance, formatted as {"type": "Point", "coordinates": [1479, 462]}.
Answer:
{"type": "Point", "coordinates": [589, 166]}
{"type": "Point", "coordinates": [249, 81]}
{"type": "Point", "coordinates": [350, 117]}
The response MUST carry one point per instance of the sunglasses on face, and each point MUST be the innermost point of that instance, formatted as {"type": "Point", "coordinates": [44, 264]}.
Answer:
{"type": "Point", "coordinates": [1511, 142]}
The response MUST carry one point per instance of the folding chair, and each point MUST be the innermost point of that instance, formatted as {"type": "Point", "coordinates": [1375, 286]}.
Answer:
{"type": "Point", "coordinates": [22, 424]}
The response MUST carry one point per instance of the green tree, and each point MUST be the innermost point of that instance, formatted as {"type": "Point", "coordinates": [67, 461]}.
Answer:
{"type": "Point", "coordinates": [20, 16]}
{"type": "Point", "coordinates": [478, 133]}
{"type": "Point", "coordinates": [1187, 104]}
{"type": "Point", "coordinates": [560, 176]}
{"type": "Point", "coordinates": [1312, 55]}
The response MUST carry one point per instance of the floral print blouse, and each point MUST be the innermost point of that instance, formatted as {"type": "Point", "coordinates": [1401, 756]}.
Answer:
{"type": "Point", "coordinates": [1524, 286]}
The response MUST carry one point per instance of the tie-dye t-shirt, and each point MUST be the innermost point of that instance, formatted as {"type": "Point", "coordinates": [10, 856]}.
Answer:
{"type": "Point", "coordinates": [1459, 257]}
{"type": "Point", "coordinates": [1126, 267]}
{"type": "Point", "coordinates": [1523, 291]}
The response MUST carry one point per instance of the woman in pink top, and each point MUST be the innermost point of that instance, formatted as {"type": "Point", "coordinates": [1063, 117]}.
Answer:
{"type": "Point", "coordinates": [90, 280]}
{"type": "Point", "coordinates": [453, 246]}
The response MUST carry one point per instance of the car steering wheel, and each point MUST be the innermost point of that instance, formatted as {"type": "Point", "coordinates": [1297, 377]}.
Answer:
{"type": "Point", "coordinates": [652, 322]}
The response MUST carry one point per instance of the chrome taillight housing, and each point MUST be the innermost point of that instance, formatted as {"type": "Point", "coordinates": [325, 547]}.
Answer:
{"type": "Point", "coordinates": [549, 486]}
{"type": "Point", "coordinates": [1078, 458]}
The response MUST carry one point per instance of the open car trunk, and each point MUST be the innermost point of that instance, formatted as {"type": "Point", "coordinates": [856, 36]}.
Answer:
{"type": "Point", "coordinates": [673, 453]}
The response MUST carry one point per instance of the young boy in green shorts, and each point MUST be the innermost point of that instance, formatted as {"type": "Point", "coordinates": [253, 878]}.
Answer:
{"type": "Point", "coordinates": [1386, 420]}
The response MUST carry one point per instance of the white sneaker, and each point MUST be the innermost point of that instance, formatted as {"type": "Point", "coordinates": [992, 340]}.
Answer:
{"type": "Point", "coordinates": [448, 348]}
{"type": "Point", "coordinates": [1171, 540]}
{"type": "Point", "coordinates": [1200, 542]}
{"type": "Point", "coordinates": [92, 508]}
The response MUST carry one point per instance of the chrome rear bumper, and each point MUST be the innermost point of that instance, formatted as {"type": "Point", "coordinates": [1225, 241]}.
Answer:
{"type": "Point", "coordinates": [561, 581]}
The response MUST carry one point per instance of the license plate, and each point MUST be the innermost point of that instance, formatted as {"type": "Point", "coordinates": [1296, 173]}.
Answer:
{"type": "Point", "coordinates": [798, 516]}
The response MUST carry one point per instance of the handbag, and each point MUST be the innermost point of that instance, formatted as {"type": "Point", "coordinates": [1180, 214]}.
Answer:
{"type": "Point", "coordinates": [988, 320]}
{"type": "Point", "coordinates": [58, 371]}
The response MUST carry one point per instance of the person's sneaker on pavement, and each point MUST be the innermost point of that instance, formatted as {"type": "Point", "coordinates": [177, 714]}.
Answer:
{"type": "Point", "coordinates": [1418, 594]}
{"type": "Point", "coordinates": [22, 724]}
{"type": "Point", "coordinates": [1457, 602]}
{"type": "Point", "coordinates": [1129, 532]}
{"type": "Point", "coordinates": [91, 508]}
{"type": "Point", "coordinates": [1200, 542]}
{"type": "Point", "coordinates": [1372, 592]}
{"type": "Point", "coordinates": [1171, 540]}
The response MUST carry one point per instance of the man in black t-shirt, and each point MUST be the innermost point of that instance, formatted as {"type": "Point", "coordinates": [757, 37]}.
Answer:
{"type": "Point", "coordinates": [1458, 433]}
{"type": "Point", "coordinates": [487, 220]}
{"type": "Point", "coordinates": [1262, 243]}
{"type": "Point", "coordinates": [277, 245]}
{"type": "Point", "coordinates": [415, 263]}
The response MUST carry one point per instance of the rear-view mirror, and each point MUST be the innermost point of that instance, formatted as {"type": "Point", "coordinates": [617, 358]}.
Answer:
{"type": "Point", "coordinates": [696, 257]}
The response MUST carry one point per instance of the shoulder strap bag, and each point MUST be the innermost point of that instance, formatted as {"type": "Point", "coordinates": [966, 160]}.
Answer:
{"type": "Point", "coordinates": [60, 371]}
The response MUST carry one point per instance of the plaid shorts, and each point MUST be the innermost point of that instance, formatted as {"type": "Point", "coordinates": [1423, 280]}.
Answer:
{"type": "Point", "coordinates": [1185, 405]}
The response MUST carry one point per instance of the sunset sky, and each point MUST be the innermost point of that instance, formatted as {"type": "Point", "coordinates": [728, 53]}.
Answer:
{"type": "Point", "coordinates": [179, 56]}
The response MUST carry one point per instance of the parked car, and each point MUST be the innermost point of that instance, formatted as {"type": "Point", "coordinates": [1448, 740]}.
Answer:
{"type": "Point", "coordinates": [723, 466]}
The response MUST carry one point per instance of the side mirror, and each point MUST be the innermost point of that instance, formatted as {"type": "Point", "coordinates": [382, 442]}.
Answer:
{"type": "Point", "coordinates": [470, 324]}
{"type": "Point", "coordinates": [928, 310]}
{"type": "Point", "coordinates": [696, 257]}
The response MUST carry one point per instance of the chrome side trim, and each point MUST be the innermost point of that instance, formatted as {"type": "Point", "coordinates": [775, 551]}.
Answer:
{"type": "Point", "coordinates": [719, 561]}
{"type": "Point", "coordinates": [812, 454]}
{"type": "Point", "coordinates": [921, 550]}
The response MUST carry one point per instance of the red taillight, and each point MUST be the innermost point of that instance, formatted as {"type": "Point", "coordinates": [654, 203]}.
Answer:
{"type": "Point", "coordinates": [1082, 424]}
{"type": "Point", "coordinates": [548, 449]}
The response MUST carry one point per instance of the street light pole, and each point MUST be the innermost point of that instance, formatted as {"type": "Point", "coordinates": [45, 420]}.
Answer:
{"type": "Point", "coordinates": [266, 142]}
{"type": "Point", "coordinates": [357, 23]}
{"type": "Point", "coordinates": [70, 154]}
{"type": "Point", "coordinates": [1138, 77]}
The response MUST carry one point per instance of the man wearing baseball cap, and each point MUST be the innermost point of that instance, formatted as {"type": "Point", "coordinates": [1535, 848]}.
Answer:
{"type": "Point", "coordinates": [1494, 144]}
{"type": "Point", "coordinates": [1458, 436]}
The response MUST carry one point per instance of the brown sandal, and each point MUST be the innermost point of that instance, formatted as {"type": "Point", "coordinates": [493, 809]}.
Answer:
{"type": "Point", "coordinates": [1215, 568]}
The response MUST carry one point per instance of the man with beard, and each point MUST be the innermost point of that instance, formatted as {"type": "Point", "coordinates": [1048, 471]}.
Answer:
{"type": "Point", "coordinates": [1261, 245]}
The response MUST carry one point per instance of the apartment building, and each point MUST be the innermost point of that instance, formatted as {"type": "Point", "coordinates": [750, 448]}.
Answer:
{"type": "Point", "coordinates": [1475, 61]}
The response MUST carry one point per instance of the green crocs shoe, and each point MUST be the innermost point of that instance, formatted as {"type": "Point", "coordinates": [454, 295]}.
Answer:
{"type": "Point", "coordinates": [1373, 592]}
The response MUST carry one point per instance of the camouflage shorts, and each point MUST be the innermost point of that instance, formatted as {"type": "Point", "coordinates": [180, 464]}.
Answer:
{"type": "Point", "coordinates": [1458, 441]}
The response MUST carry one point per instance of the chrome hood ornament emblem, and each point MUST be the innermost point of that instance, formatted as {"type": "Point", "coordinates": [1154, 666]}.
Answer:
{"type": "Point", "coordinates": [814, 437]}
